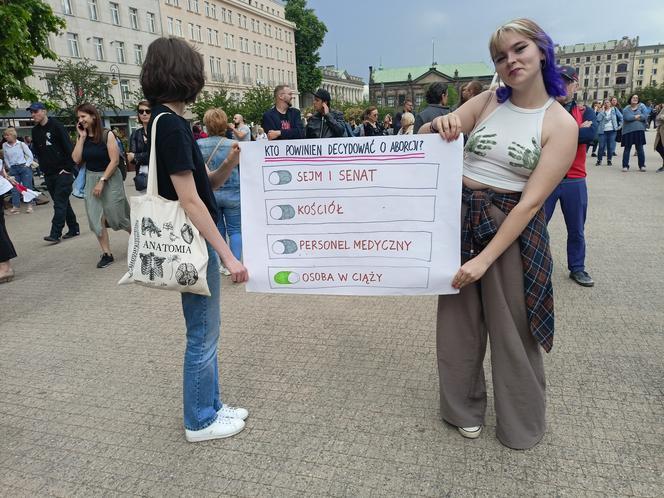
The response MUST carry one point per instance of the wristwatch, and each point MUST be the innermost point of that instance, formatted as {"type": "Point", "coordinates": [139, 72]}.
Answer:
{"type": "Point", "coordinates": [103, 179]}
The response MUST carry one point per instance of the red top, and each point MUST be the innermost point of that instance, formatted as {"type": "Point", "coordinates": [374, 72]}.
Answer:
{"type": "Point", "coordinates": [578, 168]}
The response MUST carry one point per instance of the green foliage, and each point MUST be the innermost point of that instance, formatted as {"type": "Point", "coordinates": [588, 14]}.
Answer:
{"type": "Point", "coordinates": [218, 99]}
{"type": "Point", "coordinates": [26, 25]}
{"type": "Point", "coordinates": [256, 101]}
{"type": "Point", "coordinates": [309, 35]}
{"type": "Point", "coordinates": [75, 83]}
{"type": "Point", "coordinates": [452, 96]}
{"type": "Point", "coordinates": [653, 93]}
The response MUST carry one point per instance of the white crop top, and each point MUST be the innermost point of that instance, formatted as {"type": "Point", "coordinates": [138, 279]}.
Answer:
{"type": "Point", "coordinates": [505, 148]}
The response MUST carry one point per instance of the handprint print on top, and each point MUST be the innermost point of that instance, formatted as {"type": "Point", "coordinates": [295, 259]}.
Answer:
{"type": "Point", "coordinates": [526, 157]}
{"type": "Point", "coordinates": [478, 142]}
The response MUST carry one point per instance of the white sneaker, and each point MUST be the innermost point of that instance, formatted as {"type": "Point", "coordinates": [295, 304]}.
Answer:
{"type": "Point", "coordinates": [233, 412]}
{"type": "Point", "coordinates": [471, 432]}
{"type": "Point", "coordinates": [220, 428]}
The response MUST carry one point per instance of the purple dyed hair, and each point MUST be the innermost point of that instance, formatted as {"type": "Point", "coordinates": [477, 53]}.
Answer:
{"type": "Point", "coordinates": [553, 82]}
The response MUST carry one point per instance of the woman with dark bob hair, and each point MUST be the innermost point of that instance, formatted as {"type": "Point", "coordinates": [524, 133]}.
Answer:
{"type": "Point", "coordinates": [521, 144]}
{"type": "Point", "coordinates": [171, 77]}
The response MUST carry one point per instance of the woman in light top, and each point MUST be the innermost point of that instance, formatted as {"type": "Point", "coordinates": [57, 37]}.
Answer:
{"type": "Point", "coordinates": [521, 144]}
{"type": "Point", "coordinates": [407, 124]}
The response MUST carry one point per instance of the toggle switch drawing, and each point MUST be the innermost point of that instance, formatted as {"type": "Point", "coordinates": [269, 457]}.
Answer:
{"type": "Point", "coordinates": [282, 212]}
{"type": "Point", "coordinates": [284, 246]}
{"type": "Point", "coordinates": [286, 277]}
{"type": "Point", "coordinates": [280, 177]}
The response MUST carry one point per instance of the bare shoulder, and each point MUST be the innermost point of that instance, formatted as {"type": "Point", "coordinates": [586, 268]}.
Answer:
{"type": "Point", "coordinates": [558, 123]}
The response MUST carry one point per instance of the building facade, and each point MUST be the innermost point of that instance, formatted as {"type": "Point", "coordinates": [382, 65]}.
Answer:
{"type": "Point", "coordinates": [605, 69]}
{"type": "Point", "coordinates": [343, 87]}
{"type": "Point", "coordinates": [390, 87]}
{"type": "Point", "coordinates": [648, 66]}
{"type": "Point", "coordinates": [243, 42]}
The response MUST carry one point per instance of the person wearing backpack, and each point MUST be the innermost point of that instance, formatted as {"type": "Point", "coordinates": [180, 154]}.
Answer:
{"type": "Point", "coordinates": [105, 200]}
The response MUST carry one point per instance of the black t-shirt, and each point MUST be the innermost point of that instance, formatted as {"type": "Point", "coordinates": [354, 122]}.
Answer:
{"type": "Point", "coordinates": [52, 145]}
{"type": "Point", "coordinates": [285, 123]}
{"type": "Point", "coordinates": [177, 151]}
{"type": "Point", "coordinates": [95, 155]}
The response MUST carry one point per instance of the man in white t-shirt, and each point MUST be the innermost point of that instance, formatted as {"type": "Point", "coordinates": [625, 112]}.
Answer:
{"type": "Point", "coordinates": [240, 130]}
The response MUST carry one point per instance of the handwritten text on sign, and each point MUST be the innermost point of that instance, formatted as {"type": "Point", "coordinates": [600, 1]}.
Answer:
{"type": "Point", "coordinates": [355, 216]}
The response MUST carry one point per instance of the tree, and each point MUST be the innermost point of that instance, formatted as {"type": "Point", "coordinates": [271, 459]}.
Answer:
{"type": "Point", "coordinates": [256, 101]}
{"type": "Point", "coordinates": [218, 99]}
{"type": "Point", "coordinates": [309, 35]}
{"type": "Point", "coordinates": [75, 83]}
{"type": "Point", "coordinates": [452, 96]}
{"type": "Point", "coordinates": [26, 25]}
{"type": "Point", "coordinates": [652, 93]}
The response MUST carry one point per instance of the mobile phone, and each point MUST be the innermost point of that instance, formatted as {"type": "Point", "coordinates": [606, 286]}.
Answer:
{"type": "Point", "coordinates": [80, 126]}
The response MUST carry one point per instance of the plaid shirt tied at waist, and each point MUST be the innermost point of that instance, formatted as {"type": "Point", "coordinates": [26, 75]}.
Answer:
{"type": "Point", "coordinates": [477, 230]}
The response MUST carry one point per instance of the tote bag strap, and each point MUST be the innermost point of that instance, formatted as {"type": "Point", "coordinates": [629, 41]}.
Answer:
{"type": "Point", "coordinates": [152, 167]}
{"type": "Point", "coordinates": [207, 163]}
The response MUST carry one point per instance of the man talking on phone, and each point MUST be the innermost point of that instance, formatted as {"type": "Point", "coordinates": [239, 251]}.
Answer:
{"type": "Point", "coordinates": [325, 122]}
{"type": "Point", "coordinates": [53, 147]}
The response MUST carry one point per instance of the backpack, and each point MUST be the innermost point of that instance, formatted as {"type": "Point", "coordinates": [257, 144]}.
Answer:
{"type": "Point", "coordinates": [122, 162]}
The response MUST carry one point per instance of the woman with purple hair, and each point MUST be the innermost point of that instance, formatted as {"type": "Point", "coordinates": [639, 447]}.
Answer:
{"type": "Point", "coordinates": [521, 144]}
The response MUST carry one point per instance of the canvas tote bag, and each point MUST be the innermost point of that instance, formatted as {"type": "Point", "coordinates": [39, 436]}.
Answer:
{"type": "Point", "coordinates": [165, 250]}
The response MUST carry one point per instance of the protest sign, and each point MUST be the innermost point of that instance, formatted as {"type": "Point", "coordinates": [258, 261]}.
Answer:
{"type": "Point", "coordinates": [352, 216]}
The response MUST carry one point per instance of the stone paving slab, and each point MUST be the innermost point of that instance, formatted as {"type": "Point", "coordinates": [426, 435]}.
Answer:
{"type": "Point", "coordinates": [342, 391]}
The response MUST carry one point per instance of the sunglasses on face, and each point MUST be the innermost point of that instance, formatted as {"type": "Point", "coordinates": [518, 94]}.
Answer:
{"type": "Point", "coordinates": [144, 111]}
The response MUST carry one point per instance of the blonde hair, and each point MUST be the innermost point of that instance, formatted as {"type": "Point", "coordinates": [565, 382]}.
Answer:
{"type": "Point", "coordinates": [522, 26]}
{"type": "Point", "coordinates": [407, 119]}
{"type": "Point", "coordinates": [10, 131]}
{"type": "Point", "coordinates": [215, 121]}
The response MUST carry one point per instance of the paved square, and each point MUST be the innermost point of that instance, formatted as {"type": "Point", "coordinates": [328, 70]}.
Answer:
{"type": "Point", "coordinates": [342, 391]}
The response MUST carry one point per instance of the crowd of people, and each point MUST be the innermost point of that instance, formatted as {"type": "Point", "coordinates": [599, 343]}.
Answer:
{"type": "Point", "coordinates": [512, 183]}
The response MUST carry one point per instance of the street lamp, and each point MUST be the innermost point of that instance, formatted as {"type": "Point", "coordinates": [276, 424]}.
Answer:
{"type": "Point", "coordinates": [115, 78]}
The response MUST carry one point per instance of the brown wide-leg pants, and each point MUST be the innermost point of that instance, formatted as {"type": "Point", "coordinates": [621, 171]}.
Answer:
{"type": "Point", "coordinates": [494, 304]}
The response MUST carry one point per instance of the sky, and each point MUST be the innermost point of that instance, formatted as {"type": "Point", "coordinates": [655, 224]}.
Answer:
{"type": "Point", "coordinates": [363, 33]}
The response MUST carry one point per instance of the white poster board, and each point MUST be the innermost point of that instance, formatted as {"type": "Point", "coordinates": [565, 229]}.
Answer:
{"type": "Point", "coordinates": [352, 216]}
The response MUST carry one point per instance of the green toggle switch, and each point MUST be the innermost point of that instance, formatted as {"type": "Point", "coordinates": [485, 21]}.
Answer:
{"type": "Point", "coordinates": [280, 177]}
{"type": "Point", "coordinates": [286, 277]}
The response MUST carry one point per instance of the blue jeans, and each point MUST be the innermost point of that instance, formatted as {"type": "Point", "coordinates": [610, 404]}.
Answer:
{"type": "Point", "coordinates": [607, 140]}
{"type": "Point", "coordinates": [202, 315]}
{"type": "Point", "coordinates": [23, 175]}
{"type": "Point", "coordinates": [573, 196]}
{"type": "Point", "coordinates": [229, 222]}
{"type": "Point", "coordinates": [640, 155]}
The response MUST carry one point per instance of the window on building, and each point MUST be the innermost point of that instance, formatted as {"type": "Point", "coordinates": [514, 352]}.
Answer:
{"type": "Point", "coordinates": [656, 51]}
{"type": "Point", "coordinates": [138, 54]}
{"type": "Point", "coordinates": [639, 83]}
{"type": "Point", "coordinates": [133, 18]}
{"type": "Point", "coordinates": [655, 60]}
{"type": "Point", "coordinates": [390, 100]}
{"type": "Point", "coordinates": [608, 57]}
{"type": "Point", "coordinates": [191, 30]}
{"type": "Point", "coordinates": [621, 80]}
{"type": "Point", "coordinates": [639, 72]}
{"type": "Point", "coordinates": [606, 93]}
{"type": "Point", "coordinates": [578, 59]}
{"type": "Point", "coordinates": [120, 52]}
{"type": "Point", "coordinates": [93, 10]}
{"type": "Point", "coordinates": [619, 56]}
{"type": "Point", "coordinates": [606, 81]}
{"type": "Point", "coordinates": [608, 69]}
{"type": "Point", "coordinates": [622, 68]}
{"type": "Point", "coordinates": [192, 6]}
{"type": "Point", "coordinates": [586, 70]}
{"type": "Point", "coordinates": [66, 7]}
{"type": "Point", "coordinates": [115, 13]}
{"type": "Point", "coordinates": [72, 42]}
{"type": "Point", "coordinates": [654, 71]}
{"type": "Point", "coordinates": [124, 88]}
{"type": "Point", "coordinates": [599, 58]}
{"type": "Point", "coordinates": [169, 25]}
{"type": "Point", "coordinates": [585, 82]}
{"type": "Point", "coordinates": [597, 68]}
{"type": "Point", "coordinates": [178, 27]}
{"type": "Point", "coordinates": [151, 22]}
{"type": "Point", "coordinates": [99, 48]}
{"type": "Point", "coordinates": [642, 61]}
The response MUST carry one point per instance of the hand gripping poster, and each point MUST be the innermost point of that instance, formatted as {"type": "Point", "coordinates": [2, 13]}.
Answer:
{"type": "Point", "coordinates": [352, 216]}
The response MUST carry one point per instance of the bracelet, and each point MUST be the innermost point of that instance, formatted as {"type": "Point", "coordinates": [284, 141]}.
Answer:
{"type": "Point", "coordinates": [432, 128]}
